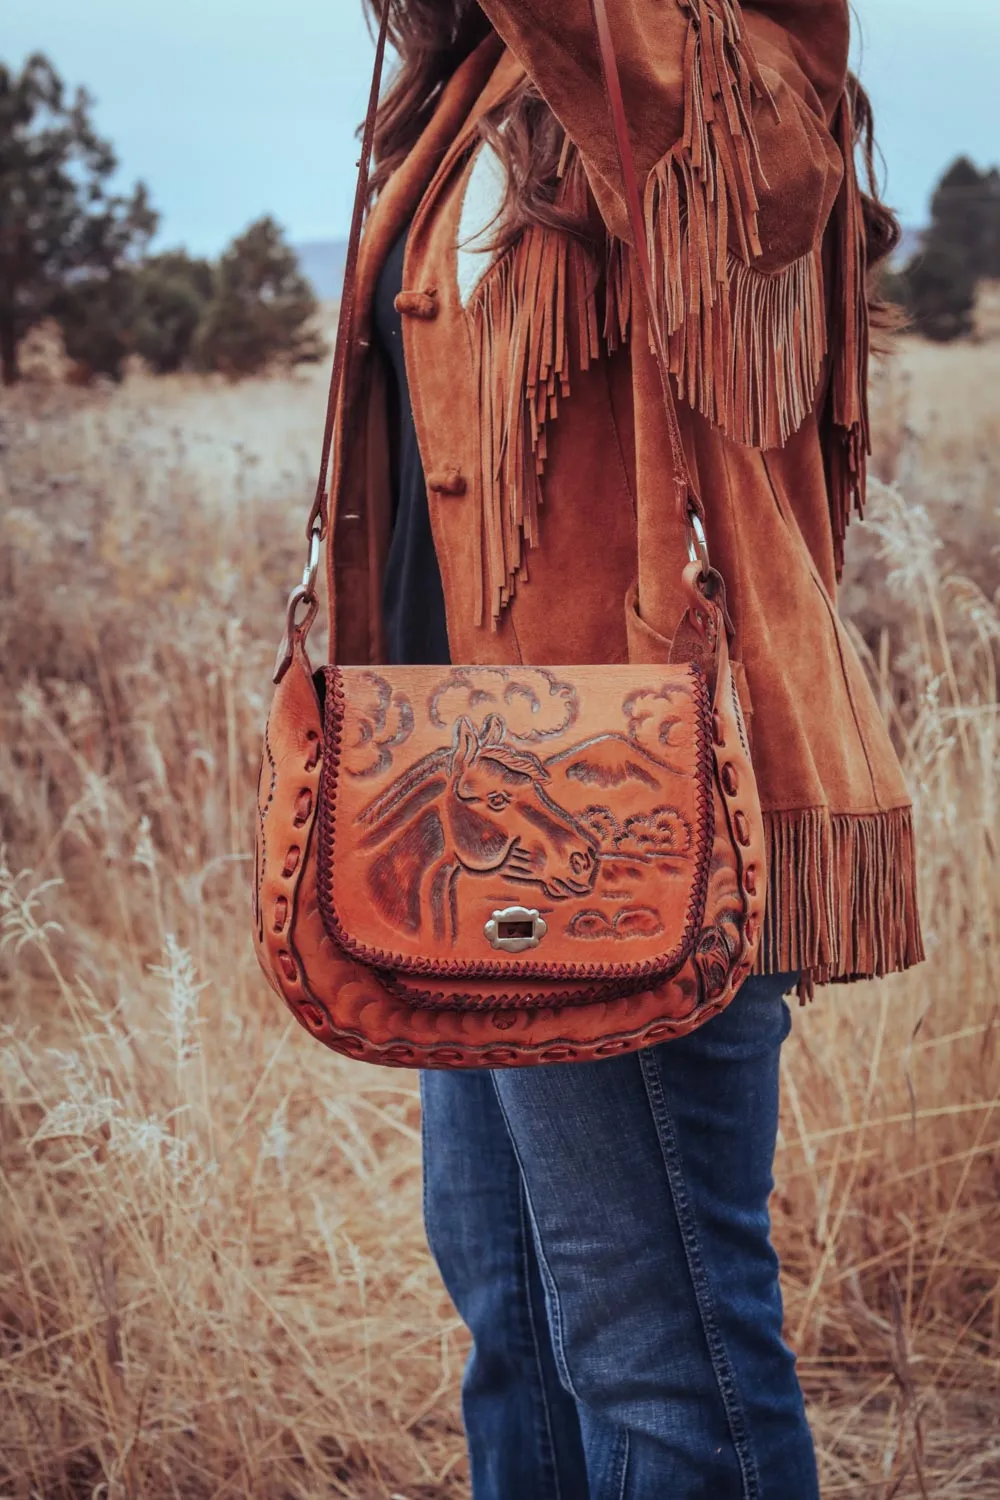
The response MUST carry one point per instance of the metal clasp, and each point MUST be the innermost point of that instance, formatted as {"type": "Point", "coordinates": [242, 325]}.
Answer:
{"type": "Point", "coordinates": [311, 568]}
{"type": "Point", "coordinates": [515, 928]}
{"type": "Point", "coordinates": [303, 596]}
{"type": "Point", "coordinates": [697, 544]}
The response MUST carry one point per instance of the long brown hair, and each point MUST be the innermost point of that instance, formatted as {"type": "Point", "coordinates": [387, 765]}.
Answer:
{"type": "Point", "coordinates": [431, 39]}
{"type": "Point", "coordinates": [882, 228]}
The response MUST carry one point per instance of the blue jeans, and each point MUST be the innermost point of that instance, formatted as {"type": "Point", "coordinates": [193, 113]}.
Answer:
{"type": "Point", "coordinates": [603, 1230]}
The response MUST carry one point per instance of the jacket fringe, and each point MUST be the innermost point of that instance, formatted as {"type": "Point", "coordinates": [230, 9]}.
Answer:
{"type": "Point", "coordinates": [847, 439]}
{"type": "Point", "coordinates": [746, 346]}
{"type": "Point", "coordinates": [842, 895]}
{"type": "Point", "coordinates": [521, 348]}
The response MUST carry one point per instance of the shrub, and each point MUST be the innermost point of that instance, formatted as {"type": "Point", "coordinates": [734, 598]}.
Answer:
{"type": "Point", "coordinates": [172, 295]}
{"type": "Point", "coordinates": [262, 310]}
{"type": "Point", "coordinates": [96, 315]}
{"type": "Point", "coordinates": [938, 286]}
{"type": "Point", "coordinates": [939, 292]}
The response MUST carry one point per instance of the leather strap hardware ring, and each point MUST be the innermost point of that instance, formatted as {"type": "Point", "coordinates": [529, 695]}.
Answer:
{"type": "Point", "coordinates": [295, 628]}
{"type": "Point", "coordinates": [303, 593]}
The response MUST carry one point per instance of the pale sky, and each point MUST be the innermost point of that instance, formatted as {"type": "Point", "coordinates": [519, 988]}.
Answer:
{"type": "Point", "coordinates": [233, 108]}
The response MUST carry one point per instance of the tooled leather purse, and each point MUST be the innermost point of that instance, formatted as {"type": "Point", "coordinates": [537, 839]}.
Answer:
{"type": "Point", "coordinates": [487, 866]}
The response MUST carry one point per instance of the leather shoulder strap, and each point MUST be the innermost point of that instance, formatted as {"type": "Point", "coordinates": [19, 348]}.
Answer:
{"type": "Point", "coordinates": [318, 515]}
{"type": "Point", "coordinates": [688, 500]}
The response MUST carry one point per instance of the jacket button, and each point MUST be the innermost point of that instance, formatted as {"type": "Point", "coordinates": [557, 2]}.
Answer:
{"type": "Point", "coordinates": [418, 304]}
{"type": "Point", "coordinates": [450, 481]}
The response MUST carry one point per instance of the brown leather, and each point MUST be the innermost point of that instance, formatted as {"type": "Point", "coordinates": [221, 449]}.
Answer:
{"type": "Point", "coordinates": [450, 481]}
{"type": "Point", "coordinates": [450, 794]}
{"type": "Point", "coordinates": [687, 497]}
{"type": "Point", "coordinates": [740, 130]}
{"type": "Point", "coordinates": [345, 321]}
{"type": "Point", "coordinates": [419, 820]}
{"type": "Point", "coordinates": [424, 304]}
{"type": "Point", "coordinates": [436, 1020]}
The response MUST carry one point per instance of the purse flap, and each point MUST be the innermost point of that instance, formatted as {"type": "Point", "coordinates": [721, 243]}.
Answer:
{"type": "Point", "coordinates": [515, 821]}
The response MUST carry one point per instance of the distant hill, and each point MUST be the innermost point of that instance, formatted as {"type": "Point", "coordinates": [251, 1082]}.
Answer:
{"type": "Point", "coordinates": [322, 263]}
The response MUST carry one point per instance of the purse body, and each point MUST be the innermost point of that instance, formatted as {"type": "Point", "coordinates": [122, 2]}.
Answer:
{"type": "Point", "coordinates": [487, 866]}
{"type": "Point", "coordinates": [492, 867]}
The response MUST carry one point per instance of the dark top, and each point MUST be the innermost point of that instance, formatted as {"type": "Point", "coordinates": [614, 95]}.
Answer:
{"type": "Point", "coordinates": [412, 596]}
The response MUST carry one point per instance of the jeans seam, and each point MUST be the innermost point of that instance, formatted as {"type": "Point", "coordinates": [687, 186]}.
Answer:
{"type": "Point", "coordinates": [556, 1313]}
{"type": "Point", "coordinates": [525, 1231]}
{"type": "Point", "coordinates": [725, 1375]}
{"type": "Point", "coordinates": [424, 1199]}
{"type": "Point", "coordinates": [625, 1451]}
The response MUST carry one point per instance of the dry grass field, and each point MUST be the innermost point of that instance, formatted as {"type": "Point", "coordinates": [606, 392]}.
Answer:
{"type": "Point", "coordinates": [213, 1281]}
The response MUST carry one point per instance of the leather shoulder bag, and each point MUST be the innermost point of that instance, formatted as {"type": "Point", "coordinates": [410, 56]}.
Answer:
{"type": "Point", "coordinates": [486, 866]}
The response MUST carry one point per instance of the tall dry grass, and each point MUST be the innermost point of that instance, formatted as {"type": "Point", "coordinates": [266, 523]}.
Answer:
{"type": "Point", "coordinates": [213, 1281]}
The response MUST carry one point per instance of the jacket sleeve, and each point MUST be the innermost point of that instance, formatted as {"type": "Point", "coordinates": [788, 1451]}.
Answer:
{"type": "Point", "coordinates": [731, 114]}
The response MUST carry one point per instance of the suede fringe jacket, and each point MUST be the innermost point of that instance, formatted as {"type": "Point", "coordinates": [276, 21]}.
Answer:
{"type": "Point", "coordinates": [542, 432]}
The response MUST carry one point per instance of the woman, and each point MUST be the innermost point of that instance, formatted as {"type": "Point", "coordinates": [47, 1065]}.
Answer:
{"type": "Point", "coordinates": [501, 495]}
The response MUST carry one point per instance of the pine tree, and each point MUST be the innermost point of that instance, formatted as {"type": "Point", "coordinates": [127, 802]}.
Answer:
{"type": "Point", "coordinates": [173, 292]}
{"type": "Point", "coordinates": [61, 226]}
{"type": "Point", "coordinates": [961, 248]}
